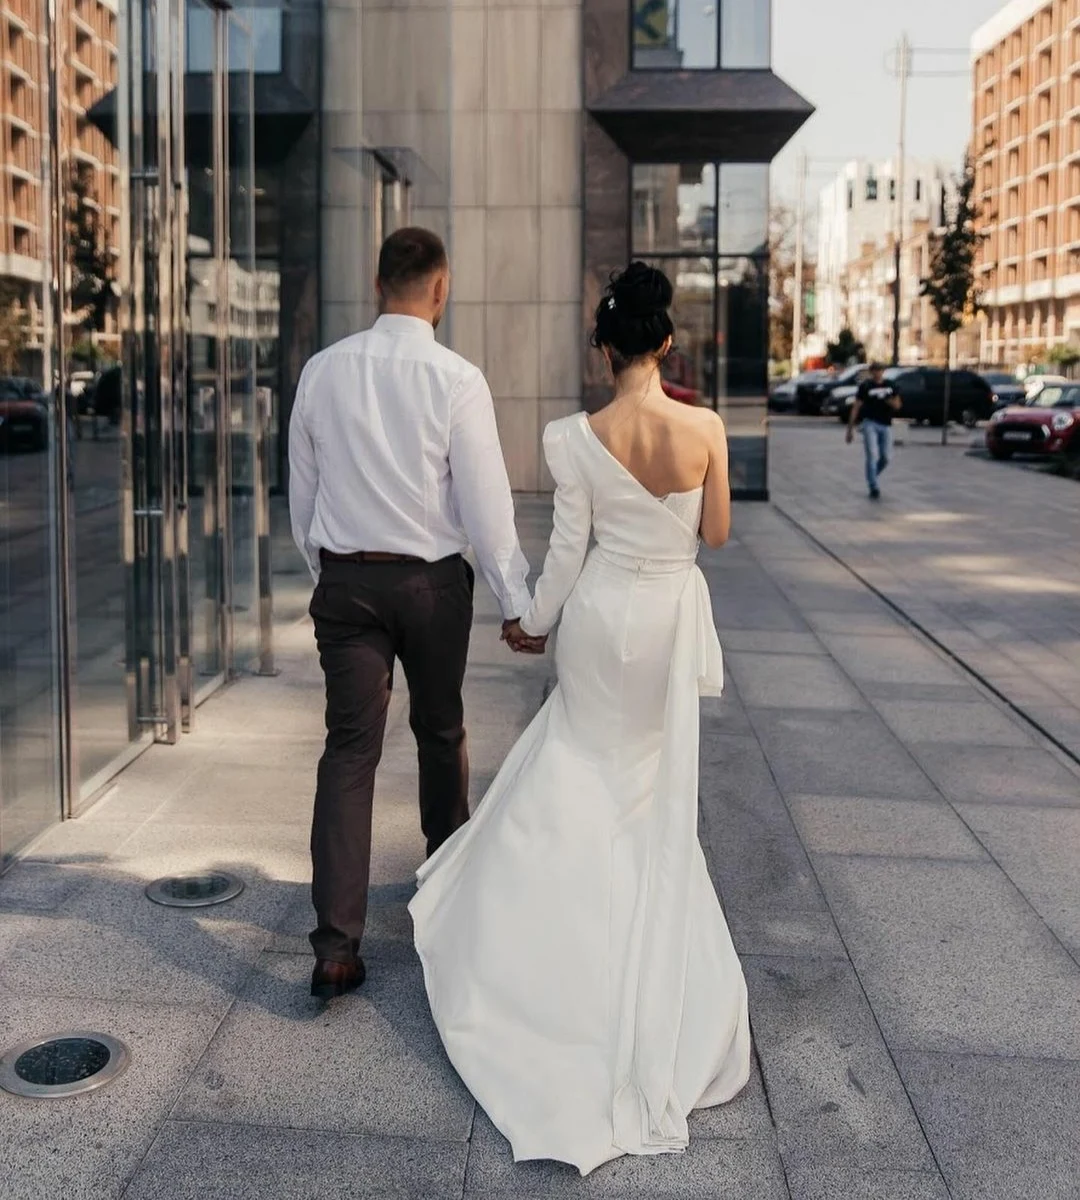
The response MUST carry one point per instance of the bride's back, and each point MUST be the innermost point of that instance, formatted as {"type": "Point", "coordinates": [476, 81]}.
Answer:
{"type": "Point", "coordinates": [660, 443]}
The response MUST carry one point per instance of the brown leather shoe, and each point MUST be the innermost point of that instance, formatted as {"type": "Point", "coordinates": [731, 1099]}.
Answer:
{"type": "Point", "coordinates": [331, 978]}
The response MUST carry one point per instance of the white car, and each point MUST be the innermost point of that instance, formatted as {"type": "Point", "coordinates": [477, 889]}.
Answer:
{"type": "Point", "coordinates": [1034, 384]}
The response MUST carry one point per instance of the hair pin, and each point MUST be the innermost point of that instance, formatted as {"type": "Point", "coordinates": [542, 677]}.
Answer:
{"type": "Point", "coordinates": [611, 302]}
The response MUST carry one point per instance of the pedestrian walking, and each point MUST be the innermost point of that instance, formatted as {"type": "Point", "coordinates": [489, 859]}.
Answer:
{"type": "Point", "coordinates": [876, 403]}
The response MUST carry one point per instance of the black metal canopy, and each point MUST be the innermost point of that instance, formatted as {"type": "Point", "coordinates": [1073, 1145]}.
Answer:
{"type": "Point", "coordinates": [695, 116]}
{"type": "Point", "coordinates": [282, 113]}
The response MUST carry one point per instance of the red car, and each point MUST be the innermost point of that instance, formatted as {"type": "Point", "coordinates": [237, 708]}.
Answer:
{"type": "Point", "coordinates": [1048, 426]}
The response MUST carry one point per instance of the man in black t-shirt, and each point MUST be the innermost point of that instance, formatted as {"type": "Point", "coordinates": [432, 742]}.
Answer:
{"type": "Point", "coordinates": [876, 403]}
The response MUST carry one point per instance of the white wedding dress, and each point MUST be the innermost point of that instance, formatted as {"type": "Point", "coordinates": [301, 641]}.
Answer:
{"type": "Point", "coordinates": [577, 961]}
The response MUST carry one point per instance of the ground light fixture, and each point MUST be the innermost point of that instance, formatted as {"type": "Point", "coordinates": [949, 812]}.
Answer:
{"type": "Point", "coordinates": [195, 891]}
{"type": "Point", "coordinates": [62, 1064]}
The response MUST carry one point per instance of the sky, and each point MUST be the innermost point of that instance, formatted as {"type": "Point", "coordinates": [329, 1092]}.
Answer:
{"type": "Point", "coordinates": [834, 53]}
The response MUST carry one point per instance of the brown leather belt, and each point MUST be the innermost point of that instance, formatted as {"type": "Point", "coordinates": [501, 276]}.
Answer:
{"type": "Point", "coordinates": [368, 556]}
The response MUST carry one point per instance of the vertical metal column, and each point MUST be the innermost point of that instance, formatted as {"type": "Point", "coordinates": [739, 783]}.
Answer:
{"type": "Point", "coordinates": [222, 420]}
{"type": "Point", "coordinates": [182, 417]}
{"type": "Point", "coordinates": [167, 32]}
{"type": "Point", "coordinates": [55, 353]}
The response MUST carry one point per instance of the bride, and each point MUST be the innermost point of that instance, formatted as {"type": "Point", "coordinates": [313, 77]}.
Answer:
{"type": "Point", "coordinates": [577, 962]}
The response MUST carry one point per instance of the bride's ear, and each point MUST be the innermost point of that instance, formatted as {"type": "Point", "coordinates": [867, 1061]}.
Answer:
{"type": "Point", "coordinates": [665, 349]}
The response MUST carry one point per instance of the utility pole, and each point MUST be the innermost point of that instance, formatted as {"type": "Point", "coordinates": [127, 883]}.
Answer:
{"type": "Point", "coordinates": [903, 66]}
{"type": "Point", "coordinates": [799, 300]}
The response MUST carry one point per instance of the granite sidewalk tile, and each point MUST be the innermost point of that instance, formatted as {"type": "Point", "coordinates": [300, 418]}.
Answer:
{"type": "Point", "coordinates": [1001, 1128]}
{"type": "Point", "coordinates": [88, 1147]}
{"type": "Point", "coordinates": [952, 957]}
{"type": "Point", "coordinates": [204, 1161]}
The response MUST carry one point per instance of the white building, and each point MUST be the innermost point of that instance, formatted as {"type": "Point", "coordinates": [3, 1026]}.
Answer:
{"type": "Point", "coordinates": [857, 215]}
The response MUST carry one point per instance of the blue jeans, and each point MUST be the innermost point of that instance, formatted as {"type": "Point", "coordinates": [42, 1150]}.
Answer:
{"type": "Point", "coordinates": [877, 440]}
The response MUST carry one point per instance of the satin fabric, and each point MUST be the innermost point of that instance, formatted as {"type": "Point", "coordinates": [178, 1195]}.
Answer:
{"type": "Point", "coordinates": [577, 962]}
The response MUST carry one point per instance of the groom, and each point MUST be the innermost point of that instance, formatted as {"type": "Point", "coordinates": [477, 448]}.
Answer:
{"type": "Point", "coordinates": [395, 470]}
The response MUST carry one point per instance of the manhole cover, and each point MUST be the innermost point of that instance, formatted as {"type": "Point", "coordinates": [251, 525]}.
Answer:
{"type": "Point", "coordinates": [62, 1065]}
{"type": "Point", "coordinates": [195, 891]}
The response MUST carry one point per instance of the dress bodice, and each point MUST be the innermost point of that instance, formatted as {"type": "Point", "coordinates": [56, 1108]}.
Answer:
{"type": "Point", "coordinates": [596, 495]}
{"type": "Point", "coordinates": [687, 507]}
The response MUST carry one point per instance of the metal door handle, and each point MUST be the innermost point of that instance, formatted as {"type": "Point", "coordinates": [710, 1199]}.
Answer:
{"type": "Point", "coordinates": [148, 512]}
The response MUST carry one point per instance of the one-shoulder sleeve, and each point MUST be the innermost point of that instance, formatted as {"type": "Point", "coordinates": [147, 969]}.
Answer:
{"type": "Point", "coordinates": [569, 536]}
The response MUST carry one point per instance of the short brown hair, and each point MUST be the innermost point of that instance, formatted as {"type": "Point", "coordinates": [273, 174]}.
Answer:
{"type": "Point", "coordinates": [408, 257]}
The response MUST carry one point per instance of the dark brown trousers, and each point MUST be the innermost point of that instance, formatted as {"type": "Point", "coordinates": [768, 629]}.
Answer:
{"type": "Point", "coordinates": [366, 615]}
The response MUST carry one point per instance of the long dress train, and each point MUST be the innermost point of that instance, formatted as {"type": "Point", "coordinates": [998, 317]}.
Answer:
{"type": "Point", "coordinates": [578, 965]}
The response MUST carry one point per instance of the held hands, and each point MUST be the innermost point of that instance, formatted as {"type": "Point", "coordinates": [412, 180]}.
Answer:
{"type": "Point", "coordinates": [519, 641]}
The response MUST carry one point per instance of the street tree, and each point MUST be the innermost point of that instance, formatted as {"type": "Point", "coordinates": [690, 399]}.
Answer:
{"type": "Point", "coordinates": [91, 295]}
{"type": "Point", "coordinates": [782, 289]}
{"type": "Point", "coordinates": [950, 286]}
{"type": "Point", "coordinates": [845, 350]}
{"type": "Point", "coordinates": [14, 328]}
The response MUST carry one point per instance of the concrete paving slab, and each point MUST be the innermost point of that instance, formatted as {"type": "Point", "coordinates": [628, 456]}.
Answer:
{"type": "Point", "coordinates": [791, 681]}
{"type": "Point", "coordinates": [1037, 849]}
{"type": "Point", "coordinates": [740, 808]}
{"type": "Point", "coordinates": [711, 1167]}
{"type": "Point", "coordinates": [1001, 1128]}
{"type": "Point", "coordinates": [835, 1095]}
{"type": "Point", "coordinates": [979, 724]}
{"type": "Point", "coordinates": [80, 843]}
{"type": "Point", "coordinates": [88, 1147]}
{"type": "Point", "coordinates": [122, 947]}
{"type": "Point", "coordinates": [368, 1063]}
{"type": "Point", "coordinates": [815, 753]}
{"type": "Point", "coordinates": [760, 642]}
{"type": "Point", "coordinates": [808, 1182]}
{"type": "Point", "coordinates": [233, 794]}
{"type": "Point", "coordinates": [203, 1161]}
{"type": "Point", "coordinates": [785, 933]}
{"type": "Point", "coordinates": [999, 775]}
{"type": "Point", "coordinates": [953, 958]}
{"type": "Point", "coordinates": [889, 660]}
{"type": "Point", "coordinates": [881, 623]}
{"type": "Point", "coordinates": [39, 887]}
{"type": "Point", "coordinates": [725, 716]}
{"type": "Point", "coordinates": [893, 828]}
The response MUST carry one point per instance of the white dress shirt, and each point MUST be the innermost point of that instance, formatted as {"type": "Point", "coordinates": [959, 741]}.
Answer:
{"type": "Point", "coordinates": [393, 447]}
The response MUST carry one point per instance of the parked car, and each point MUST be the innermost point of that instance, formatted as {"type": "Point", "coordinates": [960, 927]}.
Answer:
{"type": "Point", "coordinates": [1048, 426]}
{"type": "Point", "coordinates": [922, 395]}
{"type": "Point", "coordinates": [810, 389]}
{"type": "Point", "coordinates": [834, 397]}
{"type": "Point", "coordinates": [782, 396]}
{"type": "Point", "coordinates": [1034, 384]}
{"type": "Point", "coordinates": [1007, 388]}
{"type": "Point", "coordinates": [24, 415]}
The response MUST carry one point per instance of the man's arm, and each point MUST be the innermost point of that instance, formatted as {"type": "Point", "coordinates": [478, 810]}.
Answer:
{"type": "Point", "coordinates": [895, 401]}
{"type": "Point", "coordinates": [853, 420]}
{"type": "Point", "coordinates": [482, 492]}
{"type": "Point", "coordinates": [303, 480]}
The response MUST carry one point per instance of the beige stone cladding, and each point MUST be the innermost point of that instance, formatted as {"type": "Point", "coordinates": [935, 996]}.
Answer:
{"type": "Point", "coordinates": [516, 214]}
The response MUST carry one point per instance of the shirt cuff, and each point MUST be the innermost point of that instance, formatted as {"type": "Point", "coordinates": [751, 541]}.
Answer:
{"type": "Point", "coordinates": [516, 605]}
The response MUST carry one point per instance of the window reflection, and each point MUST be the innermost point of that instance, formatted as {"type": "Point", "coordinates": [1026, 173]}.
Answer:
{"type": "Point", "coordinates": [679, 35]}
{"type": "Point", "coordinates": [745, 34]}
{"type": "Point", "coordinates": [706, 226]}
{"type": "Point", "coordinates": [674, 207]}
{"type": "Point", "coordinates": [674, 34]}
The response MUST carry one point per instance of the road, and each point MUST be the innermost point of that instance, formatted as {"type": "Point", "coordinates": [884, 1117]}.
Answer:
{"type": "Point", "coordinates": [981, 556]}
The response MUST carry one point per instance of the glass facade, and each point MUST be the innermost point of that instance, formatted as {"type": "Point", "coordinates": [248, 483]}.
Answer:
{"type": "Point", "coordinates": [681, 35]}
{"type": "Point", "coordinates": [163, 194]}
{"type": "Point", "coordinates": [706, 226]}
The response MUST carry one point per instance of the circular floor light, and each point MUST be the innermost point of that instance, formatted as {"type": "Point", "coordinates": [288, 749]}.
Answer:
{"type": "Point", "coordinates": [63, 1064]}
{"type": "Point", "coordinates": [195, 891]}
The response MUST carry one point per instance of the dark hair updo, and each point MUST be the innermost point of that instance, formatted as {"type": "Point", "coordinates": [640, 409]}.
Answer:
{"type": "Point", "coordinates": [632, 319]}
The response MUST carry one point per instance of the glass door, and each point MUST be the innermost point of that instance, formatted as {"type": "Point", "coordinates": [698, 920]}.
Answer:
{"type": "Point", "coordinates": [206, 446]}
{"type": "Point", "coordinates": [123, 306]}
